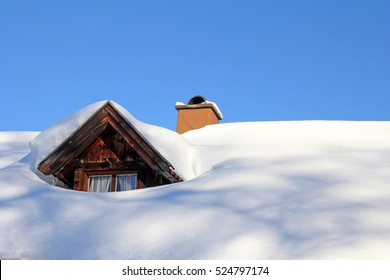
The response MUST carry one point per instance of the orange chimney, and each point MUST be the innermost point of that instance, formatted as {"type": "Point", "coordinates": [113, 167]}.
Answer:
{"type": "Point", "coordinates": [196, 114]}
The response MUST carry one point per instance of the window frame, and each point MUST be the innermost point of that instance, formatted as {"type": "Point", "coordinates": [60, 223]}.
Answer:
{"type": "Point", "coordinates": [102, 175]}
{"type": "Point", "coordinates": [113, 185]}
{"type": "Point", "coordinates": [123, 175]}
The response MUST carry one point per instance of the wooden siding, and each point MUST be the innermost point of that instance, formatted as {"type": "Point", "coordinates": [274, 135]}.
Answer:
{"type": "Point", "coordinates": [108, 155]}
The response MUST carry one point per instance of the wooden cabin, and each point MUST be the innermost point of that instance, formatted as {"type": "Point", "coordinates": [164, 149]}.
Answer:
{"type": "Point", "coordinates": [107, 154]}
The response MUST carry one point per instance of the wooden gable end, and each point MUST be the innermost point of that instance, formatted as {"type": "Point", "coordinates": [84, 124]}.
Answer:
{"type": "Point", "coordinates": [109, 144]}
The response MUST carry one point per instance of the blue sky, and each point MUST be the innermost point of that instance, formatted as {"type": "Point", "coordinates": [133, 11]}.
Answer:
{"type": "Point", "coordinates": [258, 60]}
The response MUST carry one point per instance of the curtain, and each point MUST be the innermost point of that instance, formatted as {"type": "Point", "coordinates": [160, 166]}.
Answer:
{"type": "Point", "coordinates": [126, 182]}
{"type": "Point", "coordinates": [100, 183]}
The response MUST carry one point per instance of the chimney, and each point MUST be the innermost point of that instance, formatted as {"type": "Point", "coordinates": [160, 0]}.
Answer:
{"type": "Point", "coordinates": [196, 114]}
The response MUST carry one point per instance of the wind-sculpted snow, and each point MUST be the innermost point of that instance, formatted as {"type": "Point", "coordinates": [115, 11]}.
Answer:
{"type": "Point", "coordinates": [260, 190]}
{"type": "Point", "coordinates": [14, 146]}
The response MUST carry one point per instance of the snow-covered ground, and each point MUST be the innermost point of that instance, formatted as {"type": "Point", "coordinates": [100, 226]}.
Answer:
{"type": "Point", "coordinates": [14, 146]}
{"type": "Point", "coordinates": [259, 190]}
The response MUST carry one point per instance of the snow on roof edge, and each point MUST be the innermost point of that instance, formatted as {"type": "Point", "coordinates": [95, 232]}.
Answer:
{"type": "Point", "coordinates": [213, 105]}
{"type": "Point", "coordinates": [218, 111]}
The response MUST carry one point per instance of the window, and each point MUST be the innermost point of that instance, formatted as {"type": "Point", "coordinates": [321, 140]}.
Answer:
{"type": "Point", "coordinates": [126, 182]}
{"type": "Point", "coordinates": [107, 183]}
{"type": "Point", "coordinates": [100, 183]}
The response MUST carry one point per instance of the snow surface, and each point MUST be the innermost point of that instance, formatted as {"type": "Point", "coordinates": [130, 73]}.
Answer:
{"type": "Point", "coordinates": [14, 146]}
{"type": "Point", "coordinates": [260, 190]}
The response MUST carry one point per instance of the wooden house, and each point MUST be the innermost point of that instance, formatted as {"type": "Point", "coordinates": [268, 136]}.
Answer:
{"type": "Point", "coordinates": [106, 154]}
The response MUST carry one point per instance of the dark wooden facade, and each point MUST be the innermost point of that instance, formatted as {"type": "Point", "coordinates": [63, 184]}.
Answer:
{"type": "Point", "coordinates": [107, 144]}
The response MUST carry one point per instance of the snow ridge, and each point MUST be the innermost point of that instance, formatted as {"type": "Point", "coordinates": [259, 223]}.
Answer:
{"type": "Point", "coordinates": [258, 190]}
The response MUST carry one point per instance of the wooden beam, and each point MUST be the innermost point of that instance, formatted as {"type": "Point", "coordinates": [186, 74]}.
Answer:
{"type": "Point", "coordinates": [113, 165]}
{"type": "Point", "coordinates": [77, 143]}
{"type": "Point", "coordinates": [131, 135]}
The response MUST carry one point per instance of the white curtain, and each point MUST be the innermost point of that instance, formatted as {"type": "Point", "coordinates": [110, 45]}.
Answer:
{"type": "Point", "coordinates": [100, 183]}
{"type": "Point", "coordinates": [126, 182]}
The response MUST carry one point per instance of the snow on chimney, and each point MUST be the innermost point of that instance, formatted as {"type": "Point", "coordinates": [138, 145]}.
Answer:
{"type": "Point", "coordinates": [196, 114]}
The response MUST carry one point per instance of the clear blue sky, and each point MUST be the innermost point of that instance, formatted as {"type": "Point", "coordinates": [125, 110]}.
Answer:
{"type": "Point", "coordinates": [258, 60]}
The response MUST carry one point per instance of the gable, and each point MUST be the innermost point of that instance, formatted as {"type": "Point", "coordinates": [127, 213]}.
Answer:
{"type": "Point", "coordinates": [105, 135]}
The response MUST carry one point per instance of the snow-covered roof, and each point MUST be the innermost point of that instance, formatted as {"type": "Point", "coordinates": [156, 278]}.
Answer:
{"type": "Point", "coordinates": [263, 190]}
{"type": "Point", "coordinates": [168, 143]}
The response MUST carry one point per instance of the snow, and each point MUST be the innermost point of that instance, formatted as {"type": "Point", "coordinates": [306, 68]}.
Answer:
{"type": "Point", "coordinates": [52, 137]}
{"type": "Point", "coordinates": [256, 190]}
{"type": "Point", "coordinates": [14, 146]}
{"type": "Point", "coordinates": [218, 111]}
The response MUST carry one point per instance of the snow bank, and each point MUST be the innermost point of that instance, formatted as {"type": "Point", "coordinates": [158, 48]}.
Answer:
{"type": "Point", "coordinates": [265, 141]}
{"type": "Point", "coordinates": [14, 146]}
{"type": "Point", "coordinates": [265, 190]}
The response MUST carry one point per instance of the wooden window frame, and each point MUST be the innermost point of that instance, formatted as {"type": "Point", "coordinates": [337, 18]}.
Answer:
{"type": "Point", "coordinates": [102, 175]}
{"type": "Point", "coordinates": [126, 174]}
{"type": "Point", "coordinates": [113, 174]}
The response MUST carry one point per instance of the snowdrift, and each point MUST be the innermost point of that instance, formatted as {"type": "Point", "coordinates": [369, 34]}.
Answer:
{"type": "Point", "coordinates": [260, 190]}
